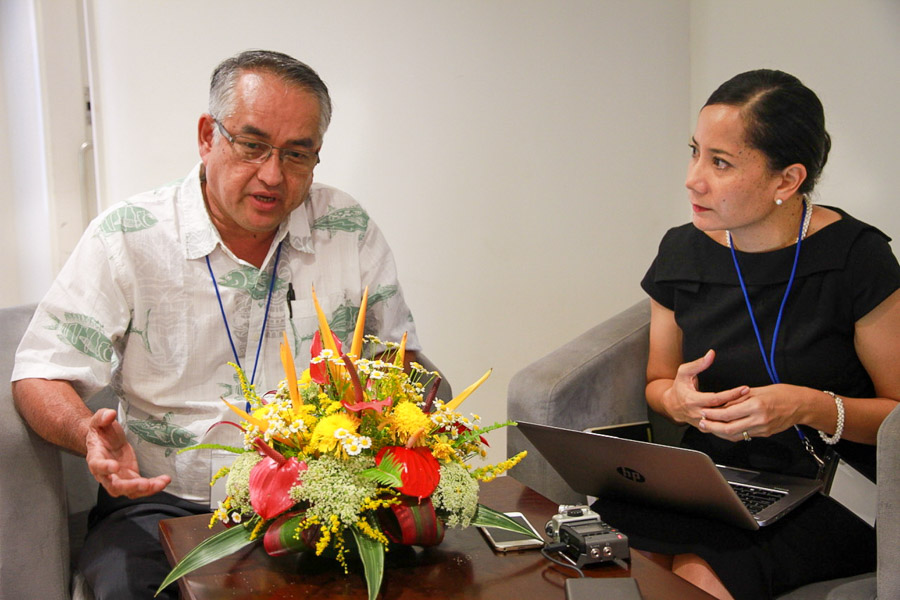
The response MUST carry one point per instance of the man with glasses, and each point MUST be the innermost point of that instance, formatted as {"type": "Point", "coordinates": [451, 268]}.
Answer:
{"type": "Point", "coordinates": [167, 288]}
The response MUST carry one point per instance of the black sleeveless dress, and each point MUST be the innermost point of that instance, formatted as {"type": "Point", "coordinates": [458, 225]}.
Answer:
{"type": "Point", "coordinates": [844, 271]}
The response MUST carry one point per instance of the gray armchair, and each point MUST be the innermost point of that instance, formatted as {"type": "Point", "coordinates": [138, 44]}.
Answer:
{"type": "Point", "coordinates": [45, 493]}
{"type": "Point", "coordinates": [598, 379]}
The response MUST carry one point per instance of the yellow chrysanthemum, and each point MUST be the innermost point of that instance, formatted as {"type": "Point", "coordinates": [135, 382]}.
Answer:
{"type": "Point", "coordinates": [304, 414]}
{"type": "Point", "coordinates": [406, 419]}
{"type": "Point", "coordinates": [323, 440]}
{"type": "Point", "coordinates": [442, 451]}
{"type": "Point", "coordinates": [333, 407]}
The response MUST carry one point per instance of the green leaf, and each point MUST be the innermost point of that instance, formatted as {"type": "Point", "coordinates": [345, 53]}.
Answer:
{"type": "Point", "coordinates": [282, 534]}
{"type": "Point", "coordinates": [386, 474]}
{"type": "Point", "coordinates": [371, 552]}
{"type": "Point", "coordinates": [488, 517]}
{"type": "Point", "coordinates": [212, 549]}
{"type": "Point", "coordinates": [473, 434]}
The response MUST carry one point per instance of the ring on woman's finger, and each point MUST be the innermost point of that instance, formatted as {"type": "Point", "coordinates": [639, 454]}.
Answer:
{"type": "Point", "coordinates": [746, 436]}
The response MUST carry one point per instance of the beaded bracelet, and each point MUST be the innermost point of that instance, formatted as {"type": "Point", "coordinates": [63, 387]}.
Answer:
{"type": "Point", "coordinates": [839, 429]}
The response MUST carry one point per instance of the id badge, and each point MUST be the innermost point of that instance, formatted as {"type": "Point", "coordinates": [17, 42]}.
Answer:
{"type": "Point", "coordinates": [217, 460]}
{"type": "Point", "coordinates": [854, 490]}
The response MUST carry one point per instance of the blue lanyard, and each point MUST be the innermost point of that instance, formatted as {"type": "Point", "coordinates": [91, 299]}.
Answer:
{"type": "Point", "coordinates": [262, 334]}
{"type": "Point", "coordinates": [769, 361]}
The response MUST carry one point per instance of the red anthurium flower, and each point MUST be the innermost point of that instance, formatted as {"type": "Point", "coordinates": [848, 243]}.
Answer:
{"type": "Point", "coordinates": [420, 470]}
{"type": "Point", "coordinates": [319, 372]}
{"type": "Point", "coordinates": [270, 481]}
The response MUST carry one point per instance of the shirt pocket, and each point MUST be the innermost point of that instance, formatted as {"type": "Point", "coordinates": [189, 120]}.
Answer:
{"type": "Point", "coordinates": [304, 322]}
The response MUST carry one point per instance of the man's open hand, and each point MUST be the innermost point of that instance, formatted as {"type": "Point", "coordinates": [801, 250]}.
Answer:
{"type": "Point", "coordinates": [112, 461]}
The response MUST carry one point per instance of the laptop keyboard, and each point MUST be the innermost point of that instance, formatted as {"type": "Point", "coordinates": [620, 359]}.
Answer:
{"type": "Point", "coordinates": [756, 499]}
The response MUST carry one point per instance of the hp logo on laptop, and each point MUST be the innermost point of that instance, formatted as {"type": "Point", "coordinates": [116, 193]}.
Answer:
{"type": "Point", "coordinates": [630, 474]}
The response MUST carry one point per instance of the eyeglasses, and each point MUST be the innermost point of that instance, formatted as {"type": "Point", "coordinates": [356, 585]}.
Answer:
{"type": "Point", "coordinates": [252, 150]}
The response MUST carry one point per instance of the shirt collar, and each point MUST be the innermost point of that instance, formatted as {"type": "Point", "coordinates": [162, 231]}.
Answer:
{"type": "Point", "coordinates": [201, 236]}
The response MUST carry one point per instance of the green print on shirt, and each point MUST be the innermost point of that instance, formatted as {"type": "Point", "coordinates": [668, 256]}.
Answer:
{"type": "Point", "coordinates": [126, 219]}
{"type": "Point", "coordinates": [382, 293]}
{"type": "Point", "coordinates": [349, 219]}
{"type": "Point", "coordinates": [83, 333]}
{"type": "Point", "coordinates": [142, 333]}
{"type": "Point", "coordinates": [233, 390]}
{"type": "Point", "coordinates": [343, 320]}
{"type": "Point", "coordinates": [251, 280]}
{"type": "Point", "coordinates": [162, 433]}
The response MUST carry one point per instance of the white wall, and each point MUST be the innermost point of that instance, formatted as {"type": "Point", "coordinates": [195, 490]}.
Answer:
{"type": "Point", "coordinates": [24, 203]}
{"type": "Point", "coordinates": [9, 268]}
{"type": "Point", "coordinates": [848, 52]}
{"type": "Point", "coordinates": [522, 157]}
{"type": "Point", "coordinates": [43, 185]}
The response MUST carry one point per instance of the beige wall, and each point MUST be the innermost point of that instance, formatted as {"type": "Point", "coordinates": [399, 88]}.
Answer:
{"type": "Point", "coordinates": [848, 52]}
{"type": "Point", "coordinates": [25, 242]}
{"type": "Point", "coordinates": [42, 127]}
{"type": "Point", "coordinates": [523, 157]}
{"type": "Point", "coordinates": [519, 155]}
{"type": "Point", "coordinates": [9, 268]}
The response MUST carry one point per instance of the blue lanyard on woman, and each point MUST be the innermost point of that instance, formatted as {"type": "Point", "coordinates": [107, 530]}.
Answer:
{"type": "Point", "coordinates": [769, 361]}
{"type": "Point", "coordinates": [262, 334]}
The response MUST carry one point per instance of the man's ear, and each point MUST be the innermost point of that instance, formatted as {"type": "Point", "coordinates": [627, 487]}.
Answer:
{"type": "Point", "coordinates": [792, 178]}
{"type": "Point", "coordinates": [206, 129]}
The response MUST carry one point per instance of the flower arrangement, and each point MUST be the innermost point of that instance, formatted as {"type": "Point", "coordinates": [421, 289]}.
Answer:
{"type": "Point", "coordinates": [350, 457]}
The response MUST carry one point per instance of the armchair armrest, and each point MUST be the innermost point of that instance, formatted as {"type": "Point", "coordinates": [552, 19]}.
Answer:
{"type": "Point", "coordinates": [888, 515]}
{"type": "Point", "coordinates": [34, 556]}
{"type": "Point", "coordinates": [596, 379]}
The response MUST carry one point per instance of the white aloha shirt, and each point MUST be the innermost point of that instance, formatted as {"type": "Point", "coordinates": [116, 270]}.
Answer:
{"type": "Point", "coordinates": [135, 308]}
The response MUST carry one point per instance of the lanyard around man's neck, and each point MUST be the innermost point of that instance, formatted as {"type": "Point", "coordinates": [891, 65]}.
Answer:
{"type": "Point", "coordinates": [262, 334]}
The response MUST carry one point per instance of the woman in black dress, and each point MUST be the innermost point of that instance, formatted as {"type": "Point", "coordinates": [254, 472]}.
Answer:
{"type": "Point", "coordinates": [773, 321]}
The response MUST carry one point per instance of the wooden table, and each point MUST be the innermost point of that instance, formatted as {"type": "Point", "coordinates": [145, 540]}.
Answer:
{"type": "Point", "coordinates": [463, 566]}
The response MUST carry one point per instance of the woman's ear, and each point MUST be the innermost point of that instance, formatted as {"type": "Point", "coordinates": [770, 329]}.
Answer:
{"type": "Point", "coordinates": [792, 178]}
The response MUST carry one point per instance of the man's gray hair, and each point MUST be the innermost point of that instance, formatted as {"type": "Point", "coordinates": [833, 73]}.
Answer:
{"type": "Point", "coordinates": [289, 69]}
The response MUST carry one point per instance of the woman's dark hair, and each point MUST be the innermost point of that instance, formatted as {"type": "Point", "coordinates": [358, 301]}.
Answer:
{"type": "Point", "coordinates": [784, 119]}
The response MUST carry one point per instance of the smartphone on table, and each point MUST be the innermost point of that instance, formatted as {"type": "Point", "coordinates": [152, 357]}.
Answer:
{"type": "Point", "coordinates": [502, 540]}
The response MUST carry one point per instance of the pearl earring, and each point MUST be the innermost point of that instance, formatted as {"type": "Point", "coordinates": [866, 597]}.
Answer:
{"type": "Point", "coordinates": [779, 201]}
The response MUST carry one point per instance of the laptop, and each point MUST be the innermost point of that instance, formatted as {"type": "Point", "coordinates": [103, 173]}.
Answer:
{"type": "Point", "coordinates": [668, 477]}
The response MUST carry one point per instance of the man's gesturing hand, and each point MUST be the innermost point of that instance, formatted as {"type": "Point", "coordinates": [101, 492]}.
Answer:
{"type": "Point", "coordinates": [112, 461]}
